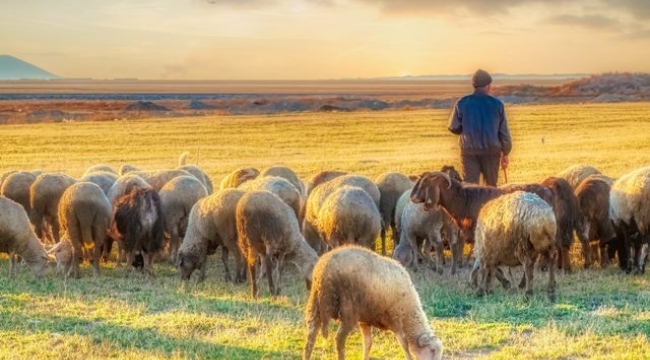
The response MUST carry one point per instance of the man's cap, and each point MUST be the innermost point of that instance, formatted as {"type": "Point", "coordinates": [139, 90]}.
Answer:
{"type": "Point", "coordinates": [481, 79]}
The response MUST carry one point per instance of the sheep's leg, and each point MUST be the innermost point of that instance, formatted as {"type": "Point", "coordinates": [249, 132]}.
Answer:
{"type": "Point", "coordinates": [383, 241]}
{"type": "Point", "coordinates": [202, 269]}
{"type": "Point", "coordinates": [366, 331]}
{"type": "Point", "coordinates": [12, 263]}
{"type": "Point", "coordinates": [529, 266]}
{"type": "Point", "coordinates": [253, 279]}
{"type": "Point", "coordinates": [482, 282]}
{"type": "Point", "coordinates": [439, 247]}
{"type": "Point", "coordinates": [405, 345]}
{"type": "Point", "coordinates": [148, 263]}
{"type": "Point", "coordinates": [643, 257]}
{"type": "Point", "coordinates": [460, 249]}
{"type": "Point", "coordinates": [224, 259]}
{"type": "Point", "coordinates": [77, 253]}
{"type": "Point", "coordinates": [56, 228]}
{"type": "Point", "coordinates": [240, 266]}
{"type": "Point", "coordinates": [604, 258]}
{"type": "Point", "coordinates": [551, 277]}
{"type": "Point", "coordinates": [488, 280]}
{"type": "Point", "coordinates": [453, 246]}
{"type": "Point", "coordinates": [274, 269]}
{"type": "Point", "coordinates": [637, 255]}
{"type": "Point", "coordinates": [566, 261]}
{"type": "Point", "coordinates": [473, 276]}
{"type": "Point", "coordinates": [174, 243]}
{"type": "Point", "coordinates": [394, 235]}
{"type": "Point", "coordinates": [311, 340]}
{"type": "Point", "coordinates": [97, 254]}
{"type": "Point", "coordinates": [341, 336]}
{"type": "Point", "coordinates": [498, 272]}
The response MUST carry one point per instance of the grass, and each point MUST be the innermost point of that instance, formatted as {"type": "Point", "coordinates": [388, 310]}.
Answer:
{"type": "Point", "coordinates": [599, 314]}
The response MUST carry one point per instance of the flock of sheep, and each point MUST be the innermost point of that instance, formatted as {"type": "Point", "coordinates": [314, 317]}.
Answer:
{"type": "Point", "coordinates": [328, 228]}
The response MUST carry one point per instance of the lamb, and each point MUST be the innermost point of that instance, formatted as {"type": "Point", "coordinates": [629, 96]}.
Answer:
{"type": "Point", "coordinates": [629, 200]}
{"type": "Point", "coordinates": [212, 224]}
{"type": "Point", "coordinates": [16, 187]}
{"type": "Point", "coordinates": [317, 198]}
{"type": "Point", "coordinates": [288, 174]}
{"type": "Point", "coordinates": [349, 216]}
{"type": "Point", "coordinates": [44, 196]}
{"type": "Point", "coordinates": [280, 187]}
{"type": "Point", "coordinates": [593, 200]}
{"type": "Point", "coordinates": [199, 175]}
{"type": "Point", "coordinates": [158, 178]}
{"type": "Point", "coordinates": [18, 239]}
{"type": "Point", "coordinates": [357, 286]}
{"type": "Point", "coordinates": [99, 168]}
{"type": "Point", "coordinates": [513, 230]}
{"type": "Point", "coordinates": [63, 252]}
{"type": "Point", "coordinates": [322, 177]}
{"type": "Point", "coordinates": [268, 229]}
{"type": "Point", "coordinates": [238, 177]}
{"type": "Point", "coordinates": [103, 179]}
{"type": "Point", "coordinates": [139, 224]}
{"type": "Point", "coordinates": [85, 213]}
{"type": "Point", "coordinates": [177, 198]}
{"type": "Point", "coordinates": [575, 174]}
{"type": "Point", "coordinates": [391, 186]}
{"type": "Point", "coordinates": [126, 168]}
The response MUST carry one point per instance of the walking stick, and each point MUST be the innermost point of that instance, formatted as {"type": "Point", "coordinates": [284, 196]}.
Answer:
{"type": "Point", "coordinates": [505, 175]}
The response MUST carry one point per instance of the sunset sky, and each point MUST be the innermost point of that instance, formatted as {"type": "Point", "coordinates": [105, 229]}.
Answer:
{"type": "Point", "coordinates": [324, 39]}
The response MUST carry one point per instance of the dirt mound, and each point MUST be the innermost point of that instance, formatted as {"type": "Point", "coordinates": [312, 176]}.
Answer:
{"type": "Point", "coordinates": [145, 106]}
{"type": "Point", "coordinates": [331, 108]}
{"type": "Point", "coordinates": [200, 105]}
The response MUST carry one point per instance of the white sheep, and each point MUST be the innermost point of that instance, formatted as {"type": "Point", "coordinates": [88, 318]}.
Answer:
{"type": "Point", "coordinates": [281, 187]}
{"type": "Point", "coordinates": [238, 177]}
{"type": "Point", "coordinates": [44, 196]}
{"type": "Point", "coordinates": [391, 186]}
{"type": "Point", "coordinates": [575, 174]}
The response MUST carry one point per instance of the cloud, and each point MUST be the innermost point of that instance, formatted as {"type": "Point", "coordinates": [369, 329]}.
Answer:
{"type": "Point", "coordinates": [594, 21]}
{"type": "Point", "coordinates": [638, 8]}
{"type": "Point", "coordinates": [642, 34]}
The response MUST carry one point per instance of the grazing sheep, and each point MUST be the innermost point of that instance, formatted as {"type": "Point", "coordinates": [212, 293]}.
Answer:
{"type": "Point", "coordinates": [158, 178]}
{"type": "Point", "coordinates": [268, 229]}
{"type": "Point", "coordinates": [44, 196]}
{"type": "Point", "coordinates": [280, 187]}
{"type": "Point", "coordinates": [322, 177]}
{"type": "Point", "coordinates": [124, 185]}
{"type": "Point", "coordinates": [288, 174]}
{"type": "Point", "coordinates": [200, 175]}
{"type": "Point", "coordinates": [349, 216]}
{"type": "Point", "coordinates": [575, 174]}
{"type": "Point", "coordinates": [391, 186]}
{"type": "Point", "coordinates": [126, 168]}
{"type": "Point", "coordinates": [99, 168]}
{"type": "Point", "coordinates": [85, 213]}
{"type": "Point", "coordinates": [18, 239]}
{"type": "Point", "coordinates": [317, 198]}
{"type": "Point", "coordinates": [359, 287]}
{"type": "Point", "coordinates": [63, 252]}
{"type": "Point", "coordinates": [5, 175]}
{"type": "Point", "coordinates": [177, 198]}
{"type": "Point", "coordinates": [238, 177]}
{"type": "Point", "coordinates": [629, 201]}
{"type": "Point", "coordinates": [593, 200]}
{"type": "Point", "coordinates": [103, 179]}
{"type": "Point", "coordinates": [513, 230]}
{"type": "Point", "coordinates": [212, 224]}
{"type": "Point", "coordinates": [140, 224]}
{"type": "Point", "coordinates": [16, 187]}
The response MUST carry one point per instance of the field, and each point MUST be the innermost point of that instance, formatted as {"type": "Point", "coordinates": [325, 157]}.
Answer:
{"type": "Point", "coordinates": [599, 313]}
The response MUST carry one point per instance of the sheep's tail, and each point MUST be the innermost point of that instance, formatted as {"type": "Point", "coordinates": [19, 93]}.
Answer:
{"type": "Point", "coordinates": [182, 160]}
{"type": "Point", "coordinates": [87, 237]}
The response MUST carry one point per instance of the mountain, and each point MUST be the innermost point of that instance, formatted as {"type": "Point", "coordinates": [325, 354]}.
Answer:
{"type": "Point", "coordinates": [12, 68]}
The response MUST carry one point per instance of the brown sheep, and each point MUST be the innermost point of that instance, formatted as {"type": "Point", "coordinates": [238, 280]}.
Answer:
{"type": "Point", "coordinates": [359, 287]}
{"type": "Point", "coordinates": [16, 187]}
{"type": "Point", "coordinates": [238, 177]}
{"type": "Point", "coordinates": [212, 224]}
{"type": "Point", "coordinates": [85, 213]}
{"type": "Point", "coordinates": [268, 229]}
{"type": "Point", "coordinates": [391, 186]}
{"type": "Point", "coordinates": [593, 200]}
{"type": "Point", "coordinates": [18, 239]}
{"type": "Point", "coordinates": [44, 196]}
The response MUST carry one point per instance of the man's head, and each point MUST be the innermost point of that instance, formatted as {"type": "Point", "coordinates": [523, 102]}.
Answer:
{"type": "Point", "coordinates": [481, 79]}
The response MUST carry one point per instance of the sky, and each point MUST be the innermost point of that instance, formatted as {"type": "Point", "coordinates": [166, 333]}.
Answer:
{"type": "Point", "coordinates": [324, 39]}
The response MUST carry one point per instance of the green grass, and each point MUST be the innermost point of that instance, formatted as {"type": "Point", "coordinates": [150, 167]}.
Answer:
{"type": "Point", "coordinates": [599, 313]}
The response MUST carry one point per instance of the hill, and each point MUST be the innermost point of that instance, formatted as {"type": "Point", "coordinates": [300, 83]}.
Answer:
{"type": "Point", "coordinates": [12, 68]}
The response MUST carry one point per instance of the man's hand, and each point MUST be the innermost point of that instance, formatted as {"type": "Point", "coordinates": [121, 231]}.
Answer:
{"type": "Point", "coordinates": [504, 162]}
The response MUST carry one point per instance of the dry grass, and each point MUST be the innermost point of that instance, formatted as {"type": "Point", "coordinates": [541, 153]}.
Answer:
{"type": "Point", "coordinates": [600, 313]}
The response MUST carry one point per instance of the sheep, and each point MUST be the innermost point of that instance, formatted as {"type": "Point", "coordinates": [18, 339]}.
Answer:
{"type": "Point", "coordinates": [238, 177]}
{"type": "Point", "coordinates": [289, 175]}
{"type": "Point", "coordinates": [349, 216]}
{"type": "Point", "coordinates": [212, 224]}
{"type": "Point", "coordinates": [16, 187]}
{"type": "Point", "coordinates": [593, 200]}
{"type": "Point", "coordinates": [417, 224]}
{"type": "Point", "coordinates": [200, 175]}
{"type": "Point", "coordinates": [126, 168]}
{"type": "Point", "coordinates": [177, 198]}
{"type": "Point", "coordinates": [18, 239]}
{"type": "Point", "coordinates": [322, 177]}
{"type": "Point", "coordinates": [391, 186]}
{"type": "Point", "coordinates": [513, 230]}
{"type": "Point", "coordinates": [99, 168]}
{"type": "Point", "coordinates": [85, 213]}
{"type": "Point", "coordinates": [139, 223]}
{"type": "Point", "coordinates": [63, 252]}
{"type": "Point", "coordinates": [5, 175]}
{"type": "Point", "coordinates": [103, 179]}
{"type": "Point", "coordinates": [158, 178]}
{"type": "Point", "coordinates": [317, 198]}
{"type": "Point", "coordinates": [44, 196]}
{"type": "Point", "coordinates": [629, 201]}
{"type": "Point", "coordinates": [124, 184]}
{"type": "Point", "coordinates": [280, 187]}
{"type": "Point", "coordinates": [452, 172]}
{"type": "Point", "coordinates": [267, 228]}
{"type": "Point", "coordinates": [575, 174]}
{"type": "Point", "coordinates": [357, 286]}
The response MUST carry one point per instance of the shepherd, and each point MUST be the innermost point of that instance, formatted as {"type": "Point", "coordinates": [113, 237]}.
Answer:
{"type": "Point", "coordinates": [480, 121]}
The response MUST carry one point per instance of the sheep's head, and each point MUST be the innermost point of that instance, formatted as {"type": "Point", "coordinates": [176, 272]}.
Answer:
{"type": "Point", "coordinates": [427, 189]}
{"type": "Point", "coordinates": [426, 347]}
{"type": "Point", "coordinates": [187, 262]}
{"type": "Point", "coordinates": [404, 253]}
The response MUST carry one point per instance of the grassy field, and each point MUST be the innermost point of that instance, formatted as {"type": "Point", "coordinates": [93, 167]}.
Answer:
{"type": "Point", "coordinates": [599, 314]}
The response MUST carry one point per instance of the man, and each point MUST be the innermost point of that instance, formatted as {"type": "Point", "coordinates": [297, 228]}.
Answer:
{"type": "Point", "coordinates": [480, 120]}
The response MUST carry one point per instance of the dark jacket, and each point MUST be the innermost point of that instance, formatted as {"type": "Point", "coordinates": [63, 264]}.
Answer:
{"type": "Point", "coordinates": [480, 120]}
